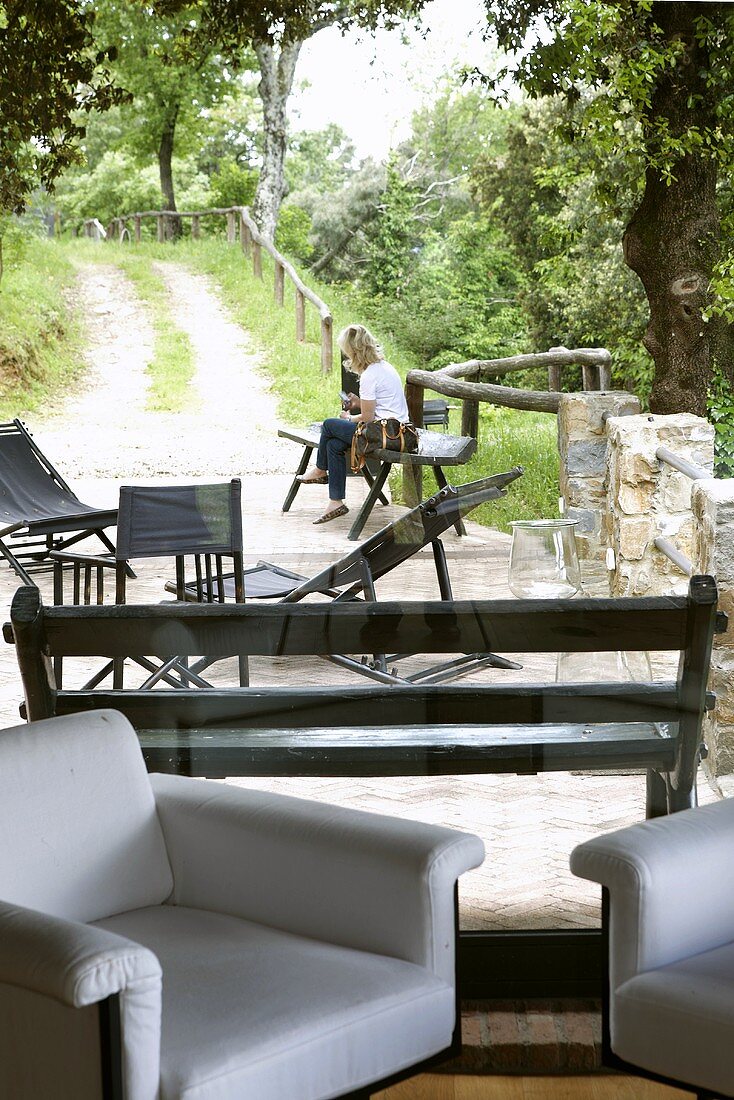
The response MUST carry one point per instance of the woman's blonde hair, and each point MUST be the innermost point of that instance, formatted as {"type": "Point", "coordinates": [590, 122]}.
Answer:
{"type": "Point", "coordinates": [359, 346]}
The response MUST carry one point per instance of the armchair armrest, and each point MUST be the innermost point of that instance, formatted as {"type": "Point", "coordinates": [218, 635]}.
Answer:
{"type": "Point", "coordinates": [671, 886]}
{"type": "Point", "coordinates": [361, 880]}
{"type": "Point", "coordinates": [76, 964]}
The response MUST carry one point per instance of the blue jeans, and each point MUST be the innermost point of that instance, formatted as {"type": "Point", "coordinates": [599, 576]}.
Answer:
{"type": "Point", "coordinates": [336, 439]}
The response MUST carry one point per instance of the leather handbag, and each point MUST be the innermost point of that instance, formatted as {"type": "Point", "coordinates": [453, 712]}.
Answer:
{"type": "Point", "coordinates": [381, 435]}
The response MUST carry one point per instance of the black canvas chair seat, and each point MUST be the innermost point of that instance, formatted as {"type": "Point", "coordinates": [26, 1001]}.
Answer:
{"type": "Point", "coordinates": [36, 504]}
{"type": "Point", "coordinates": [354, 575]}
{"type": "Point", "coordinates": [200, 522]}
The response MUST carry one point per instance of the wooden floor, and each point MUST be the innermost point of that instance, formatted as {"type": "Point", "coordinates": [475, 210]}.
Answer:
{"type": "Point", "coordinates": [597, 1087]}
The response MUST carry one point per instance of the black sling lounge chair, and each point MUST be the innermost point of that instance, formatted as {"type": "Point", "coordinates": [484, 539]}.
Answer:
{"type": "Point", "coordinates": [179, 520]}
{"type": "Point", "coordinates": [37, 506]}
{"type": "Point", "coordinates": [198, 522]}
{"type": "Point", "coordinates": [354, 576]}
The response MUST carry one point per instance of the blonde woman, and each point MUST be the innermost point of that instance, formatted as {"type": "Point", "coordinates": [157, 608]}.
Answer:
{"type": "Point", "coordinates": [381, 397]}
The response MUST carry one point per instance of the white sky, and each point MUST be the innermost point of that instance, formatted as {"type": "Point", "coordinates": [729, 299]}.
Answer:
{"type": "Point", "coordinates": [370, 85]}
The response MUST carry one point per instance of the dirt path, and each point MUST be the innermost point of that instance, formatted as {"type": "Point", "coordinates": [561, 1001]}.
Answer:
{"type": "Point", "coordinates": [103, 428]}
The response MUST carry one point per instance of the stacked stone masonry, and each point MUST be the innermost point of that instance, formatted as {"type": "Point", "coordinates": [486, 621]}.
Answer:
{"type": "Point", "coordinates": [624, 498]}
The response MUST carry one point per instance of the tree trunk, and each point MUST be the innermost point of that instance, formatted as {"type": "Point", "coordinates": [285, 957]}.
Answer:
{"type": "Point", "coordinates": [276, 81]}
{"type": "Point", "coordinates": [672, 240]}
{"type": "Point", "coordinates": [165, 167]}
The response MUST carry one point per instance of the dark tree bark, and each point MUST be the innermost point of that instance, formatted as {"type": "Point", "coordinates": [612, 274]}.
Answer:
{"type": "Point", "coordinates": [165, 167]}
{"type": "Point", "coordinates": [672, 240]}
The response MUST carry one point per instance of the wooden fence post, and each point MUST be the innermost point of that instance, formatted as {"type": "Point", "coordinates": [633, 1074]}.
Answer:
{"type": "Point", "coordinates": [589, 378]}
{"type": "Point", "coordinates": [230, 227]}
{"type": "Point", "coordinates": [470, 418]}
{"type": "Point", "coordinates": [414, 396]}
{"type": "Point", "coordinates": [327, 345]}
{"type": "Point", "coordinates": [257, 260]}
{"type": "Point", "coordinates": [245, 237]}
{"type": "Point", "coordinates": [554, 378]}
{"type": "Point", "coordinates": [138, 221]}
{"type": "Point", "coordinates": [160, 228]}
{"type": "Point", "coordinates": [279, 283]}
{"type": "Point", "coordinates": [195, 227]}
{"type": "Point", "coordinates": [300, 317]}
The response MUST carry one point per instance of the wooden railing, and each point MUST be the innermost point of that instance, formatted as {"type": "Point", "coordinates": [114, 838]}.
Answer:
{"type": "Point", "coordinates": [252, 242]}
{"type": "Point", "coordinates": [462, 380]}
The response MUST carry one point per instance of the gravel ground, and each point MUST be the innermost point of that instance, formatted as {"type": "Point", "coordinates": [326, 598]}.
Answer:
{"type": "Point", "coordinates": [102, 429]}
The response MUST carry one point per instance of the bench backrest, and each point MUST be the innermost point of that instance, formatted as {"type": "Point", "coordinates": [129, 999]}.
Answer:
{"type": "Point", "coordinates": [683, 623]}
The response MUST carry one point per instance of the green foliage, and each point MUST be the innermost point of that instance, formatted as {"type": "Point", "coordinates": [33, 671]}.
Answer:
{"type": "Point", "coordinates": [39, 334]}
{"type": "Point", "coordinates": [545, 197]}
{"type": "Point", "coordinates": [118, 185]}
{"type": "Point", "coordinates": [319, 161]}
{"type": "Point", "coordinates": [292, 234]}
{"type": "Point", "coordinates": [232, 184]}
{"type": "Point", "coordinates": [721, 415]}
{"type": "Point", "coordinates": [393, 239]}
{"type": "Point", "coordinates": [50, 68]}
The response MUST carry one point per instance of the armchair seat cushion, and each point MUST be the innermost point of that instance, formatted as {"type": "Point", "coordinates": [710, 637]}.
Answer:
{"type": "Point", "coordinates": [678, 1020]}
{"type": "Point", "coordinates": [240, 1015]}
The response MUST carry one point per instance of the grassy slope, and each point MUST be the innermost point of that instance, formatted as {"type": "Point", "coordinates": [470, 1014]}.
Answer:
{"type": "Point", "coordinates": [40, 336]}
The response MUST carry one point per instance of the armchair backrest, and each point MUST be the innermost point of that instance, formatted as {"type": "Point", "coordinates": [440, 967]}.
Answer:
{"type": "Point", "coordinates": [80, 835]}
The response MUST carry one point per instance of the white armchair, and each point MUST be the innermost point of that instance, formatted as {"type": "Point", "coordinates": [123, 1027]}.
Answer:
{"type": "Point", "coordinates": [165, 938]}
{"type": "Point", "coordinates": [669, 917]}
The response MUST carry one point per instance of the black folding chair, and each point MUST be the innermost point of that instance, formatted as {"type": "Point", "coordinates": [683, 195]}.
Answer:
{"type": "Point", "coordinates": [198, 522]}
{"type": "Point", "coordinates": [37, 506]}
{"type": "Point", "coordinates": [354, 575]}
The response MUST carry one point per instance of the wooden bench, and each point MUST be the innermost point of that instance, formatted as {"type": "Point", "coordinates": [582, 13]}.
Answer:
{"type": "Point", "coordinates": [472, 727]}
{"type": "Point", "coordinates": [437, 449]}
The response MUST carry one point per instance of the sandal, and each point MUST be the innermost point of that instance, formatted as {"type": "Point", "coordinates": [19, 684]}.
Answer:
{"type": "Point", "coordinates": [334, 514]}
{"type": "Point", "coordinates": [305, 480]}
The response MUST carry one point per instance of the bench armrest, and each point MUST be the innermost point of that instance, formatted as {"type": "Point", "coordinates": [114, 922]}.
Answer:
{"type": "Point", "coordinates": [361, 880]}
{"type": "Point", "coordinates": [76, 964]}
{"type": "Point", "coordinates": [671, 886]}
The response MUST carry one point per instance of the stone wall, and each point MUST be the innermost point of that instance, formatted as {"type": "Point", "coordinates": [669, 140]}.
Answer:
{"type": "Point", "coordinates": [648, 498]}
{"type": "Point", "coordinates": [713, 552]}
{"type": "Point", "coordinates": [582, 446]}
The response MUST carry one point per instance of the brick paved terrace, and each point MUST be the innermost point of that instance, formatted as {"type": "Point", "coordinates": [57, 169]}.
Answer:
{"type": "Point", "coordinates": [529, 823]}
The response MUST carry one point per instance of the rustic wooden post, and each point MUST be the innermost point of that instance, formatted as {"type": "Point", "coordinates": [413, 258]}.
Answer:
{"type": "Point", "coordinates": [160, 228]}
{"type": "Point", "coordinates": [279, 282]}
{"type": "Point", "coordinates": [300, 317]}
{"type": "Point", "coordinates": [327, 345]}
{"type": "Point", "coordinates": [605, 376]}
{"type": "Point", "coordinates": [245, 237]}
{"type": "Point", "coordinates": [257, 260]}
{"type": "Point", "coordinates": [137, 222]}
{"type": "Point", "coordinates": [554, 378]}
{"type": "Point", "coordinates": [28, 633]}
{"type": "Point", "coordinates": [588, 374]}
{"type": "Point", "coordinates": [414, 395]}
{"type": "Point", "coordinates": [470, 418]}
{"type": "Point", "coordinates": [230, 227]}
{"type": "Point", "coordinates": [195, 227]}
{"type": "Point", "coordinates": [111, 229]}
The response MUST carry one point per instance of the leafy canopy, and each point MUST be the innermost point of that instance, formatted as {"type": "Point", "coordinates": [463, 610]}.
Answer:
{"type": "Point", "coordinates": [610, 59]}
{"type": "Point", "coordinates": [50, 69]}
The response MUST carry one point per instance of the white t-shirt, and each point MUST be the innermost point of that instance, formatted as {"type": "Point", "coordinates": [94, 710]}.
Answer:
{"type": "Point", "coordinates": [381, 383]}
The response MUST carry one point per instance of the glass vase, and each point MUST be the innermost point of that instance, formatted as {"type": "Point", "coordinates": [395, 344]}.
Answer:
{"type": "Point", "coordinates": [544, 562]}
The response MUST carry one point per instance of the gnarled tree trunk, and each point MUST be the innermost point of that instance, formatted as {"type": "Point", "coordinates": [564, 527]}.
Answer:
{"type": "Point", "coordinates": [672, 240]}
{"type": "Point", "coordinates": [276, 81]}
